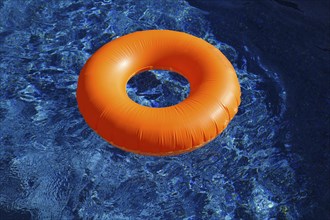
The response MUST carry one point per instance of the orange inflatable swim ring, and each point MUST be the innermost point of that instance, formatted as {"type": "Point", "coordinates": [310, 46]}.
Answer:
{"type": "Point", "coordinates": [213, 100]}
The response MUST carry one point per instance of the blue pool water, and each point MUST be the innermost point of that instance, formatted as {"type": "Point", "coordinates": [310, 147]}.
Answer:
{"type": "Point", "coordinates": [270, 163]}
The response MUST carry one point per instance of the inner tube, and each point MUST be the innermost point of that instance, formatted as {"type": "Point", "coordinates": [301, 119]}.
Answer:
{"type": "Point", "coordinates": [103, 101]}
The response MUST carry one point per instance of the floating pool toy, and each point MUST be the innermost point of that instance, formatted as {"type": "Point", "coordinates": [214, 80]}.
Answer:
{"type": "Point", "coordinates": [213, 100]}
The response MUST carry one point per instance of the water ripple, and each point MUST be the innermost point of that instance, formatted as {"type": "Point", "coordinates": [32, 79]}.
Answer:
{"type": "Point", "coordinates": [52, 164]}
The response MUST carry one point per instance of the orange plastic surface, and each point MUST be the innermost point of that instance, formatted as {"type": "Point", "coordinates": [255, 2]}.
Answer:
{"type": "Point", "coordinates": [213, 100]}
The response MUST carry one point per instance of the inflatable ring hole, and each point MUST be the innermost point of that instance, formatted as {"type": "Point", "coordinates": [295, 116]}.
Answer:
{"type": "Point", "coordinates": [158, 88]}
